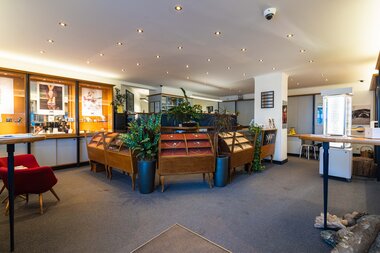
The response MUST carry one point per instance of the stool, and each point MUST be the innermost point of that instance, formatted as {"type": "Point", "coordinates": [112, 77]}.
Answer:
{"type": "Point", "coordinates": [307, 148]}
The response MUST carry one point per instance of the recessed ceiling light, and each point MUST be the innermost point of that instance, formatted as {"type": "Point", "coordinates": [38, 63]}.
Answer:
{"type": "Point", "coordinates": [140, 30]}
{"type": "Point", "coordinates": [261, 60]}
{"type": "Point", "coordinates": [243, 74]}
{"type": "Point", "coordinates": [180, 47]}
{"type": "Point", "coordinates": [119, 43]}
{"type": "Point", "coordinates": [187, 66]}
{"type": "Point", "coordinates": [228, 68]}
{"type": "Point", "coordinates": [217, 33]}
{"type": "Point", "coordinates": [302, 51]}
{"type": "Point", "coordinates": [322, 74]}
{"type": "Point", "coordinates": [178, 8]}
{"type": "Point", "coordinates": [206, 73]}
{"type": "Point", "coordinates": [243, 49]}
{"type": "Point", "coordinates": [42, 51]}
{"type": "Point", "coordinates": [50, 41]}
{"type": "Point", "coordinates": [167, 72]}
{"type": "Point", "coordinates": [208, 59]}
{"type": "Point", "coordinates": [298, 83]}
{"type": "Point", "coordinates": [326, 80]}
{"type": "Point", "coordinates": [101, 54]}
{"type": "Point", "coordinates": [138, 64]}
{"type": "Point", "coordinates": [273, 68]}
{"type": "Point", "coordinates": [311, 61]}
{"type": "Point", "coordinates": [187, 77]}
{"type": "Point", "coordinates": [290, 35]}
{"type": "Point", "coordinates": [123, 70]}
{"type": "Point", "coordinates": [63, 24]}
{"type": "Point", "coordinates": [88, 61]}
{"type": "Point", "coordinates": [157, 56]}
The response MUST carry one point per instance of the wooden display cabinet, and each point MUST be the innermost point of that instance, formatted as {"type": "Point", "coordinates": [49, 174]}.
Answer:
{"type": "Point", "coordinates": [238, 148]}
{"type": "Point", "coordinates": [268, 142]}
{"type": "Point", "coordinates": [189, 153]}
{"type": "Point", "coordinates": [12, 103]}
{"type": "Point", "coordinates": [95, 109]}
{"type": "Point", "coordinates": [52, 105]}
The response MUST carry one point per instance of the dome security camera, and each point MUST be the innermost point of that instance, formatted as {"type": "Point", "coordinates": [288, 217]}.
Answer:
{"type": "Point", "coordinates": [269, 13]}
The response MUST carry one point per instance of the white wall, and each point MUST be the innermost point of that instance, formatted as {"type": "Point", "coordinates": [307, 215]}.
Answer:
{"type": "Point", "coordinates": [140, 105]}
{"type": "Point", "coordinates": [204, 103]}
{"type": "Point", "coordinates": [277, 82]}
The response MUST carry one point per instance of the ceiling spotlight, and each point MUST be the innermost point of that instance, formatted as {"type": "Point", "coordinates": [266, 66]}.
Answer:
{"type": "Point", "coordinates": [167, 72]}
{"type": "Point", "coordinates": [243, 49]}
{"type": "Point", "coordinates": [326, 80]}
{"type": "Point", "coordinates": [101, 54]}
{"type": "Point", "coordinates": [208, 59]}
{"type": "Point", "coordinates": [298, 83]}
{"type": "Point", "coordinates": [290, 35]}
{"type": "Point", "coordinates": [302, 51]}
{"type": "Point", "coordinates": [243, 74]}
{"type": "Point", "coordinates": [42, 51]}
{"type": "Point", "coordinates": [311, 61]}
{"type": "Point", "coordinates": [123, 70]}
{"type": "Point", "coordinates": [273, 68]}
{"type": "Point", "coordinates": [180, 47]}
{"type": "Point", "coordinates": [178, 8]}
{"type": "Point", "coordinates": [119, 43]}
{"type": "Point", "coordinates": [157, 56]}
{"type": "Point", "coordinates": [187, 77]}
{"type": "Point", "coordinates": [261, 60]}
{"type": "Point", "coordinates": [88, 61]}
{"type": "Point", "coordinates": [140, 30]}
{"type": "Point", "coordinates": [50, 41]}
{"type": "Point", "coordinates": [138, 64]}
{"type": "Point", "coordinates": [206, 73]}
{"type": "Point", "coordinates": [322, 74]}
{"type": "Point", "coordinates": [62, 24]}
{"type": "Point", "coordinates": [217, 33]}
{"type": "Point", "coordinates": [228, 68]}
{"type": "Point", "coordinates": [187, 66]}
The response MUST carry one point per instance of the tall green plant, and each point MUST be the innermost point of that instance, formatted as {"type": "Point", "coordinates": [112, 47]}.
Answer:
{"type": "Point", "coordinates": [256, 131]}
{"type": "Point", "coordinates": [143, 137]}
{"type": "Point", "coordinates": [119, 99]}
{"type": "Point", "coordinates": [184, 111]}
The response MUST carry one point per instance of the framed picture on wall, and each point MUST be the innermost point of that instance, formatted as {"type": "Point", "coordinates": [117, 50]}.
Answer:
{"type": "Point", "coordinates": [50, 99]}
{"type": "Point", "coordinates": [267, 99]}
{"type": "Point", "coordinates": [130, 102]}
{"type": "Point", "coordinates": [92, 102]}
{"type": "Point", "coordinates": [6, 96]}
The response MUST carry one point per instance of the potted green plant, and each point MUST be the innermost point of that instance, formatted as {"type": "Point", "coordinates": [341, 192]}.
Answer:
{"type": "Point", "coordinates": [256, 130]}
{"type": "Point", "coordinates": [222, 122]}
{"type": "Point", "coordinates": [143, 138]}
{"type": "Point", "coordinates": [119, 101]}
{"type": "Point", "coordinates": [185, 113]}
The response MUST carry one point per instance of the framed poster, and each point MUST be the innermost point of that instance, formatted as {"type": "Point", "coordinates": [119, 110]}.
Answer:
{"type": "Point", "coordinates": [92, 102]}
{"type": "Point", "coordinates": [50, 99]}
{"type": "Point", "coordinates": [130, 101]}
{"type": "Point", "coordinates": [335, 115]}
{"type": "Point", "coordinates": [267, 99]}
{"type": "Point", "coordinates": [361, 114]}
{"type": "Point", "coordinates": [6, 96]}
{"type": "Point", "coordinates": [284, 114]}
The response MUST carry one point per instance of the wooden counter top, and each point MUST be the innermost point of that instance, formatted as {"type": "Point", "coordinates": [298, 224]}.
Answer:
{"type": "Point", "coordinates": [351, 139]}
{"type": "Point", "coordinates": [20, 138]}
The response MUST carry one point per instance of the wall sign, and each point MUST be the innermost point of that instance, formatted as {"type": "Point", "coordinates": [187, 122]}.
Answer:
{"type": "Point", "coordinates": [267, 99]}
{"type": "Point", "coordinates": [92, 102]}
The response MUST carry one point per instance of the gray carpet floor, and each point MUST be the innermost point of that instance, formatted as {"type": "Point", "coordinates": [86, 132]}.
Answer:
{"type": "Point", "coordinates": [272, 211]}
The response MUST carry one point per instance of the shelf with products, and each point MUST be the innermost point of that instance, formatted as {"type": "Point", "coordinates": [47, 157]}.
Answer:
{"type": "Point", "coordinates": [12, 103]}
{"type": "Point", "coordinates": [95, 109]}
{"type": "Point", "coordinates": [52, 105]}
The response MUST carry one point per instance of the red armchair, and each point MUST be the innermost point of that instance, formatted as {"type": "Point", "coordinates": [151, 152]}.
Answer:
{"type": "Point", "coordinates": [34, 180]}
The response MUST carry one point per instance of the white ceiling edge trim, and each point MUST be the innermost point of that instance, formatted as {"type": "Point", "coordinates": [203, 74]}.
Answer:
{"type": "Point", "coordinates": [317, 89]}
{"type": "Point", "coordinates": [38, 65]}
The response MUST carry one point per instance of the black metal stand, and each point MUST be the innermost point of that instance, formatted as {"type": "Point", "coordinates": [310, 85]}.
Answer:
{"type": "Point", "coordinates": [11, 172]}
{"type": "Point", "coordinates": [326, 146]}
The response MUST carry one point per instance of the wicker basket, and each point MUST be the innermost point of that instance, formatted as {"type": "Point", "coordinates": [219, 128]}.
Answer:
{"type": "Point", "coordinates": [366, 151]}
{"type": "Point", "coordinates": [363, 166]}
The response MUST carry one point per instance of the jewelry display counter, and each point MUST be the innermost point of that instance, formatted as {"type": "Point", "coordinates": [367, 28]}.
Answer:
{"type": "Point", "coordinates": [268, 140]}
{"type": "Point", "coordinates": [238, 148]}
{"type": "Point", "coordinates": [189, 153]}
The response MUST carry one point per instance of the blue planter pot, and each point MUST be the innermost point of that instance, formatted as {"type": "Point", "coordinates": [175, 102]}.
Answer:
{"type": "Point", "coordinates": [221, 171]}
{"type": "Point", "coordinates": [147, 173]}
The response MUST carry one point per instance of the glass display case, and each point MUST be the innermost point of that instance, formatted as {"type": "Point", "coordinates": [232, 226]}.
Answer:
{"type": "Point", "coordinates": [52, 105]}
{"type": "Point", "coordinates": [95, 109]}
{"type": "Point", "coordinates": [163, 103]}
{"type": "Point", "coordinates": [12, 103]}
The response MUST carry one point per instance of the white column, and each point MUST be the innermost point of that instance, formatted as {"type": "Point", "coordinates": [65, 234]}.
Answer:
{"type": "Point", "coordinates": [277, 82]}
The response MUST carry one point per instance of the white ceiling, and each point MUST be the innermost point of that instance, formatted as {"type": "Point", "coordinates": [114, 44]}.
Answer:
{"type": "Point", "coordinates": [341, 37]}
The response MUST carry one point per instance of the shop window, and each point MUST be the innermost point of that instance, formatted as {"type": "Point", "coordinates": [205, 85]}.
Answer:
{"type": "Point", "coordinates": [12, 103]}
{"type": "Point", "coordinates": [52, 105]}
